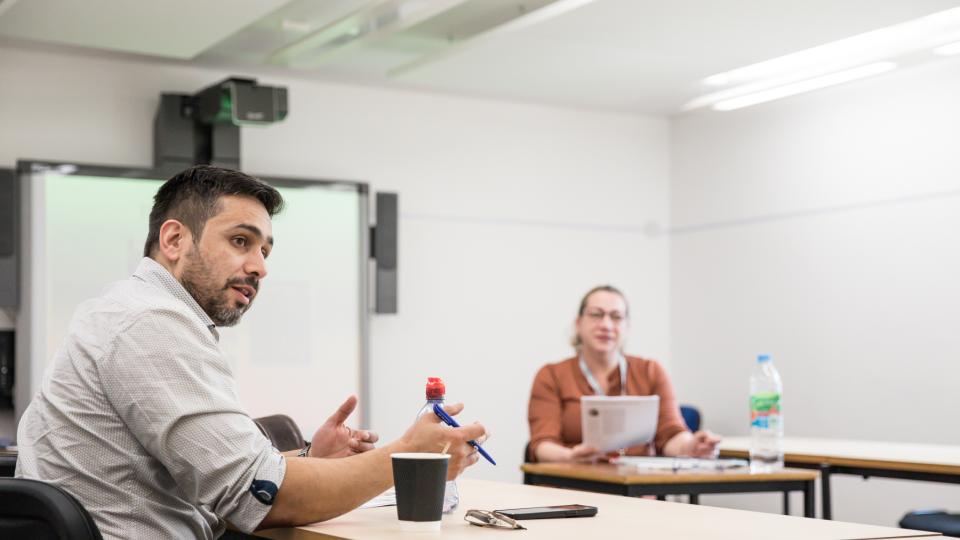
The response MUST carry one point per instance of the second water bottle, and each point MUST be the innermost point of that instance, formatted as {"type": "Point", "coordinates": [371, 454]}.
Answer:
{"type": "Point", "coordinates": [766, 417]}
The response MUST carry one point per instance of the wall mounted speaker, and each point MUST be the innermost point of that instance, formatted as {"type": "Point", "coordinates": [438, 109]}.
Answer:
{"type": "Point", "coordinates": [384, 244]}
{"type": "Point", "coordinates": [6, 369]}
{"type": "Point", "coordinates": [9, 216]}
{"type": "Point", "coordinates": [8, 213]}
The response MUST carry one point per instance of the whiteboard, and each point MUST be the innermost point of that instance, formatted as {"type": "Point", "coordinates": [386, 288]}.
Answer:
{"type": "Point", "coordinates": [301, 348]}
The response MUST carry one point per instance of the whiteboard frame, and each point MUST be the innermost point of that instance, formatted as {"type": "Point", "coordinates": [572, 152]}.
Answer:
{"type": "Point", "coordinates": [31, 351]}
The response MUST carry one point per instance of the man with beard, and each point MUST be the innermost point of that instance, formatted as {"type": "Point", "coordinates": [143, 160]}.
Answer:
{"type": "Point", "coordinates": [138, 415]}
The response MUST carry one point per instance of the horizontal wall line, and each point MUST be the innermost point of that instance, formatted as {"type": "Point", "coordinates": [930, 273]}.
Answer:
{"type": "Point", "coordinates": [651, 229]}
{"type": "Point", "coordinates": [812, 212]}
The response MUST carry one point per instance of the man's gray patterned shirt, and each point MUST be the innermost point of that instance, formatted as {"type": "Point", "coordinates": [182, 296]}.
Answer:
{"type": "Point", "coordinates": [138, 418]}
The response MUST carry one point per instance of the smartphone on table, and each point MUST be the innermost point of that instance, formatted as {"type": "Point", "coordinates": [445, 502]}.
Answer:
{"type": "Point", "coordinates": [547, 512]}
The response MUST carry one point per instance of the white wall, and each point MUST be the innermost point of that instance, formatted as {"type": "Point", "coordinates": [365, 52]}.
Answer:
{"type": "Point", "coordinates": [508, 213]}
{"type": "Point", "coordinates": [818, 229]}
{"type": "Point", "coordinates": [823, 229]}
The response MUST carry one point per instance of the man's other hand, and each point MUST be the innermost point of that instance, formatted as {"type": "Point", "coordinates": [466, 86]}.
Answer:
{"type": "Point", "coordinates": [335, 439]}
{"type": "Point", "coordinates": [429, 435]}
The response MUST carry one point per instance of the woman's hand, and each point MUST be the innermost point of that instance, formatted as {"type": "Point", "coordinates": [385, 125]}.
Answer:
{"type": "Point", "coordinates": [704, 444]}
{"type": "Point", "coordinates": [549, 451]}
{"type": "Point", "coordinates": [583, 452]}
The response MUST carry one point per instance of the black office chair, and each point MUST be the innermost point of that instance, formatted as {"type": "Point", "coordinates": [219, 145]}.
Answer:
{"type": "Point", "coordinates": [691, 416]}
{"type": "Point", "coordinates": [34, 510]}
{"type": "Point", "coordinates": [282, 431]}
{"type": "Point", "coordinates": [8, 466]}
{"type": "Point", "coordinates": [933, 521]}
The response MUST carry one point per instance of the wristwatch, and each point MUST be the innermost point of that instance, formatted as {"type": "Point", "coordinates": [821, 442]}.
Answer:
{"type": "Point", "coordinates": [305, 452]}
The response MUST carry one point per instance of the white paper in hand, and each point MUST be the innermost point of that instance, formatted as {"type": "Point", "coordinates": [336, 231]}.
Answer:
{"type": "Point", "coordinates": [611, 423]}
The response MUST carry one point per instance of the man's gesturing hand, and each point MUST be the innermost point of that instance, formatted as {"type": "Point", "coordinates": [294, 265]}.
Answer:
{"type": "Point", "coordinates": [335, 439]}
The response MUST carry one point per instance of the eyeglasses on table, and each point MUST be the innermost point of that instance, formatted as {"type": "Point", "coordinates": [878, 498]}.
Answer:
{"type": "Point", "coordinates": [488, 518]}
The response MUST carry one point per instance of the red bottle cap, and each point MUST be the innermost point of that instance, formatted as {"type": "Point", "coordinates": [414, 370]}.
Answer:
{"type": "Point", "coordinates": [435, 388]}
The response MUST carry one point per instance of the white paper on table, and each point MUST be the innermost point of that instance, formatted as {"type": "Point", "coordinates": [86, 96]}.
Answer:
{"type": "Point", "coordinates": [611, 423]}
{"type": "Point", "coordinates": [679, 463]}
{"type": "Point", "coordinates": [387, 498]}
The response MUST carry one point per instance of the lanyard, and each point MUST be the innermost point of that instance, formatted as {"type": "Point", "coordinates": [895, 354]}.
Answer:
{"type": "Point", "coordinates": [593, 382]}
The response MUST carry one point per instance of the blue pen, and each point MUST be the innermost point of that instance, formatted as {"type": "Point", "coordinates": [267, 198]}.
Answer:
{"type": "Point", "coordinates": [448, 420]}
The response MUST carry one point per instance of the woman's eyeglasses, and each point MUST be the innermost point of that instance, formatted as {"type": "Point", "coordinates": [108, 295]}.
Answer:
{"type": "Point", "coordinates": [597, 315]}
{"type": "Point", "coordinates": [487, 518]}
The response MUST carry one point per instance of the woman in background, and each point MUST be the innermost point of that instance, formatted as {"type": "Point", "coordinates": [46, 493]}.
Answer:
{"type": "Point", "coordinates": [600, 368]}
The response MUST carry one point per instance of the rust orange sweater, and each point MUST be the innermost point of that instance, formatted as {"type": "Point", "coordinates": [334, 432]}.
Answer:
{"type": "Point", "coordinates": [554, 411]}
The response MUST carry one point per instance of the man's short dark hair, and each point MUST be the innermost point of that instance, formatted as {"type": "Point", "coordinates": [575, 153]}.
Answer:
{"type": "Point", "coordinates": [192, 196]}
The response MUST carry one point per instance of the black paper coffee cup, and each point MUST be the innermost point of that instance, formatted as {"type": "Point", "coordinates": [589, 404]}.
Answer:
{"type": "Point", "coordinates": [419, 480]}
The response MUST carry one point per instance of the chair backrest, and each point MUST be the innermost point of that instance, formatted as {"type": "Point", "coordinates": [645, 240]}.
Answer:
{"type": "Point", "coordinates": [34, 510]}
{"type": "Point", "coordinates": [691, 416]}
{"type": "Point", "coordinates": [8, 465]}
{"type": "Point", "coordinates": [932, 520]}
{"type": "Point", "coordinates": [282, 431]}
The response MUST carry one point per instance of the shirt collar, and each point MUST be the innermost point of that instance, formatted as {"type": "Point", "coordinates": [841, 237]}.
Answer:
{"type": "Point", "coordinates": [155, 273]}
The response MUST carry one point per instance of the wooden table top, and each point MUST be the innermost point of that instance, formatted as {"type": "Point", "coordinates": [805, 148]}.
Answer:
{"type": "Point", "coordinates": [931, 458]}
{"type": "Point", "coordinates": [627, 475]}
{"type": "Point", "coordinates": [617, 517]}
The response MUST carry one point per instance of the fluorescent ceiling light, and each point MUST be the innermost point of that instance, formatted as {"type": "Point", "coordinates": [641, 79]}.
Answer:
{"type": "Point", "coordinates": [804, 86]}
{"type": "Point", "coordinates": [904, 43]}
{"type": "Point", "coordinates": [544, 14]}
{"type": "Point", "coordinates": [410, 33]}
{"type": "Point", "coordinates": [947, 50]}
{"type": "Point", "coordinates": [299, 27]}
{"type": "Point", "coordinates": [6, 4]}
{"type": "Point", "coordinates": [376, 19]}
{"type": "Point", "coordinates": [919, 34]}
{"type": "Point", "coordinates": [720, 79]}
{"type": "Point", "coordinates": [549, 9]}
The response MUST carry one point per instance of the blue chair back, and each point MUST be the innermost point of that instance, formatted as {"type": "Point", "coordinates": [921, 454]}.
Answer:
{"type": "Point", "coordinates": [932, 520]}
{"type": "Point", "coordinates": [691, 416]}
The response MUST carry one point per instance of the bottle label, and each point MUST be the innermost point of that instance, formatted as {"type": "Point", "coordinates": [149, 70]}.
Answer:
{"type": "Point", "coordinates": [765, 410]}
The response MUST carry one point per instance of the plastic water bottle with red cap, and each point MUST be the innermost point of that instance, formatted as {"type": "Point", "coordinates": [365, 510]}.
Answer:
{"type": "Point", "coordinates": [436, 392]}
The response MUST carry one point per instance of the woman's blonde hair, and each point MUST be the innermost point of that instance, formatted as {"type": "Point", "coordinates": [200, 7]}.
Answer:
{"type": "Point", "coordinates": [575, 340]}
